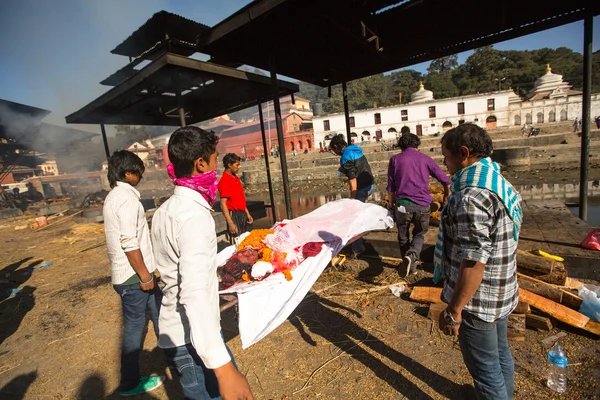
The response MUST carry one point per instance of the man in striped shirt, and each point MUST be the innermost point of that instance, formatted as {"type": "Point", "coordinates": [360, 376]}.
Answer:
{"type": "Point", "coordinates": [132, 266]}
{"type": "Point", "coordinates": [479, 225]}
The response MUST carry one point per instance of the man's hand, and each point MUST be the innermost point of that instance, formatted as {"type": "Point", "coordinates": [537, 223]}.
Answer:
{"type": "Point", "coordinates": [146, 287]}
{"type": "Point", "coordinates": [250, 219]}
{"type": "Point", "coordinates": [446, 194]}
{"type": "Point", "coordinates": [450, 330]}
{"type": "Point", "coordinates": [233, 228]}
{"type": "Point", "coordinates": [232, 384]}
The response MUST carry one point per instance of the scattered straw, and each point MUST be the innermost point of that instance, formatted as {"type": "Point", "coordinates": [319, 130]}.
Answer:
{"type": "Point", "coordinates": [67, 338]}
{"type": "Point", "coordinates": [344, 352]}
{"type": "Point", "coordinates": [87, 229]}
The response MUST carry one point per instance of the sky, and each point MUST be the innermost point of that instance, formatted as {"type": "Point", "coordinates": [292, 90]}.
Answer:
{"type": "Point", "coordinates": [54, 52]}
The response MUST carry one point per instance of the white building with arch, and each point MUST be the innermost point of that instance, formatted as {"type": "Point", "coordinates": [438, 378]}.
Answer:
{"type": "Point", "coordinates": [551, 100]}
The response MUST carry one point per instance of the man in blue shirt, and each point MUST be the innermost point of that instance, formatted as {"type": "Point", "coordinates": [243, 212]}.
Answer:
{"type": "Point", "coordinates": [355, 166]}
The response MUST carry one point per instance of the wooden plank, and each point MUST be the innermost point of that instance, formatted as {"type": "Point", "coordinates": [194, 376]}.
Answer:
{"type": "Point", "coordinates": [515, 336]}
{"type": "Point", "coordinates": [424, 294]}
{"type": "Point", "coordinates": [556, 277]}
{"type": "Point", "coordinates": [593, 327]}
{"type": "Point", "coordinates": [549, 291]}
{"type": "Point", "coordinates": [543, 289]}
{"type": "Point", "coordinates": [535, 263]}
{"type": "Point", "coordinates": [573, 283]}
{"type": "Point", "coordinates": [522, 308]}
{"type": "Point", "coordinates": [571, 300]}
{"type": "Point", "coordinates": [516, 322]}
{"type": "Point", "coordinates": [533, 321]}
{"type": "Point", "coordinates": [550, 340]}
{"type": "Point", "coordinates": [554, 309]}
{"type": "Point", "coordinates": [435, 309]}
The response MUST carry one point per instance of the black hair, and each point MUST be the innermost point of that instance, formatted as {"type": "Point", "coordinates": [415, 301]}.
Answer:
{"type": "Point", "coordinates": [405, 129]}
{"type": "Point", "coordinates": [188, 144]}
{"type": "Point", "coordinates": [338, 141]}
{"type": "Point", "coordinates": [230, 158]}
{"type": "Point", "coordinates": [473, 137]}
{"type": "Point", "coordinates": [408, 140]}
{"type": "Point", "coordinates": [121, 162]}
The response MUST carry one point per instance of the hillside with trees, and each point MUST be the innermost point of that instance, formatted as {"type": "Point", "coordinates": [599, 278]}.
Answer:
{"type": "Point", "coordinates": [486, 70]}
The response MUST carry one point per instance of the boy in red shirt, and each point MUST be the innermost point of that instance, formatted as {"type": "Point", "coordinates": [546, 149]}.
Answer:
{"type": "Point", "coordinates": [233, 200]}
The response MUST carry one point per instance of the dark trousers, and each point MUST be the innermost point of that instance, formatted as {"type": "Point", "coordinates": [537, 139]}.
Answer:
{"type": "Point", "coordinates": [418, 217]}
{"type": "Point", "coordinates": [134, 303]}
{"type": "Point", "coordinates": [240, 219]}
{"type": "Point", "coordinates": [197, 381]}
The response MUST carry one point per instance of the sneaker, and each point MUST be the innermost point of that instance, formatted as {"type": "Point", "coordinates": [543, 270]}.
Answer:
{"type": "Point", "coordinates": [404, 267]}
{"type": "Point", "coordinates": [147, 384]}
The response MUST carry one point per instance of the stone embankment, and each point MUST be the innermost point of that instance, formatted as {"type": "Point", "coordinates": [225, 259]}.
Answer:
{"type": "Point", "coordinates": [556, 145]}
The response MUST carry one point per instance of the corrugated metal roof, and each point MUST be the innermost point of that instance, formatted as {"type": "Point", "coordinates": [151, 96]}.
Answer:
{"type": "Point", "coordinates": [351, 39]}
{"type": "Point", "coordinates": [158, 28]}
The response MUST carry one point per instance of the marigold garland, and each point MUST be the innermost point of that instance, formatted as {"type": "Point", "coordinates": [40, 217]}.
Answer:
{"type": "Point", "coordinates": [255, 239]}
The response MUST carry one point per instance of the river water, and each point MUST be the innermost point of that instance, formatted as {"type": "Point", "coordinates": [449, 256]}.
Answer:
{"type": "Point", "coordinates": [303, 203]}
{"type": "Point", "coordinates": [593, 211]}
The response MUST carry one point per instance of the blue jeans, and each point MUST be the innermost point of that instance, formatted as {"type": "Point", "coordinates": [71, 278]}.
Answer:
{"type": "Point", "coordinates": [484, 346]}
{"type": "Point", "coordinates": [197, 381]}
{"type": "Point", "coordinates": [361, 195]}
{"type": "Point", "coordinates": [134, 302]}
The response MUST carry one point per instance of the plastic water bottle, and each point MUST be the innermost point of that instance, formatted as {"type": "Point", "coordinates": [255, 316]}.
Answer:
{"type": "Point", "coordinates": [557, 360]}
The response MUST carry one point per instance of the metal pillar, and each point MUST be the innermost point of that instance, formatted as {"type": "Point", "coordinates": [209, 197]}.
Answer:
{"type": "Point", "coordinates": [588, 31]}
{"type": "Point", "coordinates": [105, 140]}
{"type": "Point", "coordinates": [346, 113]}
{"type": "Point", "coordinates": [181, 117]}
{"type": "Point", "coordinates": [267, 166]}
{"type": "Point", "coordinates": [281, 142]}
{"type": "Point", "coordinates": [180, 110]}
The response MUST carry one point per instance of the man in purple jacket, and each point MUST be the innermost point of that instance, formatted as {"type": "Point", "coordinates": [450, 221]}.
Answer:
{"type": "Point", "coordinates": [408, 196]}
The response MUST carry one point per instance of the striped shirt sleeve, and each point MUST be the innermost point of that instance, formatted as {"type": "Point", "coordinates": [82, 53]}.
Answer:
{"type": "Point", "coordinates": [473, 229]}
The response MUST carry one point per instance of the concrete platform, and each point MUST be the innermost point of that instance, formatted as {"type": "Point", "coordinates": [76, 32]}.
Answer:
{"type": "Point", "coordinates": [10, 213]}
{"type": "Point", "coordinates": [52, 208]}
{"type": "Point", "coordinates": [547, 225]}
{"type": "Point", "coordinates": [550, 226]}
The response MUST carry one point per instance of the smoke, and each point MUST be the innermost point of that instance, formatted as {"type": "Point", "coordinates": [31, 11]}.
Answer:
{"type": "Point", "coordinates": [60, 50]}
{"type": "Point", "coordinates": [17, 126]}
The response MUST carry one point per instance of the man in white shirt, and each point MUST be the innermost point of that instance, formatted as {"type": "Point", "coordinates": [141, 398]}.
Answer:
{"type": "Point", "coordinates": [185, 248]}
{"type": "Point", "coordinates": [132, 266]}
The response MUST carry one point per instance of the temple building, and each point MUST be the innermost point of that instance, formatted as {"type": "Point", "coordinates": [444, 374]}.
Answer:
{"type": "Point", "coordinates": [551, 100]}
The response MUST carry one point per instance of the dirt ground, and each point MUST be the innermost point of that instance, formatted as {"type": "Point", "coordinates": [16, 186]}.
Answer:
{"type": "Point", "coordinates": [60, 337]}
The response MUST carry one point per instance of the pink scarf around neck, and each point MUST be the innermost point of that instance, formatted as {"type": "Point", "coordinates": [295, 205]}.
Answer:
{"type": "Point", "coordinates": [206, 184]}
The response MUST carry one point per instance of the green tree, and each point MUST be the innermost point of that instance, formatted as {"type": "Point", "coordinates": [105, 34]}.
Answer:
{"type": "Point", "coordinates": [405, 82]}
{"type": "Point", "coordinates": [444, 64]}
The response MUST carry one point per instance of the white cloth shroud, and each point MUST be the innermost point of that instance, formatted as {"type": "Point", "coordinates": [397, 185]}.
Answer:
{"type": "Point", "coordinates": [266, 304]}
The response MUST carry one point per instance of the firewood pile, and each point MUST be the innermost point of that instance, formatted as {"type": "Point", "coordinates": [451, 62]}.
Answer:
{"type": "Point", "coordinates": [546, 295]}
{"type": "Point", "coordinates": [94, 199]}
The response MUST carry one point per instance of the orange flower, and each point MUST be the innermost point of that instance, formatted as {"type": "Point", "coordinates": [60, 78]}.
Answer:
{"type": "Point", "coordinates": [287, 274]}
{"type": "Point", "coordinates": [255, 239]}
{"type": "Point", "coordinates": [246, 277]}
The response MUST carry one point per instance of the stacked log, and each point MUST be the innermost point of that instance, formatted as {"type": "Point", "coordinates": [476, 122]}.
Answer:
{"type": "Point", "coordinates": [544, 287]}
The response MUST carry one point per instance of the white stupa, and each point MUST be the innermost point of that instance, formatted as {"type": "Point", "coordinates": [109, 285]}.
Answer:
{"type": "Point", "coordinates": [513, 97]}
{"type": "Point", "coordinates": [550, 86]}
{"type": "Point", "coordinates": [421, 95]}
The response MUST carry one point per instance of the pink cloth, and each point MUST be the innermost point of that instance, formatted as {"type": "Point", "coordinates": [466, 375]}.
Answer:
{"type": "Point", "coordinates": [206, 184]}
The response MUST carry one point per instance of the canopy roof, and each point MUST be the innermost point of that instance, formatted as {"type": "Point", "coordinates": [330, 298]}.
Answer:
{"type": "Point", "coordinates": [162, 27]}
{"type": "Point", "coordinates": [351, 39]}
{"type": "Point", "coordinates": [207, 91]}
